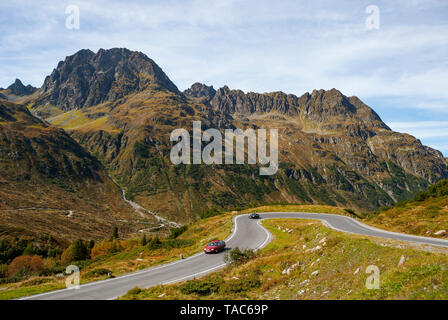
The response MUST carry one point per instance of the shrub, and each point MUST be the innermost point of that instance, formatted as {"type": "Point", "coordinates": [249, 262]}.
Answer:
{"type": "Point", "coordinates": [55, 269]}
{"type": "Point", "coordinates": [440, 189]}
{"type": "Point", "coordinates": [106, 247]}
{"type": "Point", "coordinates": [176, 243]}
{"type": "Point", "coordinates": [154, 243]}
{"type": "Point", "coordinates": [98, 272]}
{"type": "Point", "coordinates": [10, 279]}
{"type": "Point", "coordinates": [177, 232]}
{"type": "Point", "coordinates": [53, 252]}
{"type": "Point", "coordinates": [3, 270]}
{"type": "Point", "coordinates": [115, 233]}
{"type": "Point", "coordinates": [202, 288]}
{"type": "Point", "coordinates": [37, 264]}
{"type": "Point", "coordinates": [333, 241]}
{"type": "Point", "coordinates": [350, 211]}
{"type": "Point", "coordinates": [421, 196]}
{"type": "Point", "coordinates": [25, 265]}
{"type": "Point", "coordinates": [209, 213]}
{"type": "Point", "coordinates": [143, 241]}
{"type": "Point", "coordinates": [80, 251]}
{"type": "Point", "coordinates": [241, 285]}
{"type": "Point", "coordinates": [77, 251]}
{"type": "Point", "coordinates": [141, 149]}
{"type": "Point", "coordinates": [29, 250]}
{"type": "Point", "coordinates": [135, 291]}
{"type": "Point", "coordinates": [236, 256]}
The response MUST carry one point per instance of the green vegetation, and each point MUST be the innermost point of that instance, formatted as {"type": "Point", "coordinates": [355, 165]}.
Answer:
{"type": "Point", "coordinates": [115, 233]}
{"type": "Point", "coordinates": [141, 149]}
{"type": "Point", "coordinates": [202, 288]}
{"type": "Point", "coordinates": [97, 272]}
{"type": "Point", "coordinates": [78, 251]}
{"type": "Point", "coordinates": [23, 258]}
{"type": "Point", "coordinates": [248, 275]}
{"type": "Point", "coordinates": [351, 211]}
{"type": "Point", "coordinates": [217, 285]}
{"type": "Point", "coordinates": [176, 232]}
{"type": "Point", "coordinates": [440, 189]}
{"type": "Point", "coordinates": [98, 259]}
{"type": "Point", "coordinates": [156, 243]}
{"type": "Point", "coordinates": [236, 256]}
{"type": "Point", "coordinates": [426, 214]}
{"type": "Point", "coordinates": [11, 249]}
{"type": "Point", "coordinates": [209, 214]}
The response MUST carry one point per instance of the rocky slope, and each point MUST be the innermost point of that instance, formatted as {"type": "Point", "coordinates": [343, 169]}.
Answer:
{"type": "Point", "coordinates": [50, 185]}
{"type": "Point", "coordinates": [334, 149]}
{"type": "Point", "coordinates": [327, 113]}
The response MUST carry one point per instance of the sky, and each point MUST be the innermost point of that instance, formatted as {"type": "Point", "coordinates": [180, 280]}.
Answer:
{"type": "Point", "coordinates": [393, 55]}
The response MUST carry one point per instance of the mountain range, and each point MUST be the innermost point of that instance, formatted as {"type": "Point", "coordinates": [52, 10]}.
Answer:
{"type": "Point", "coordinates": [111, 113]}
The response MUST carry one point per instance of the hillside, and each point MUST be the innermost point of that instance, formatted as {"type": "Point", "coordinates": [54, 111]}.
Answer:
{"type": "Point", "coordinates": [300, 246]}
{"type": "Point", "coordinates": [51, 186]}
{"type": "Point", "coordinates": [425, 215]}
{"type": "Point", "coordinates": [307, 261]}
{"type": "Point", "coordinates": [121, 107]}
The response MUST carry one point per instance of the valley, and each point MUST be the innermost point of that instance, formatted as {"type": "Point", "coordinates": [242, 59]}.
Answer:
{"type": "Point", "coordinates": [87, 178]}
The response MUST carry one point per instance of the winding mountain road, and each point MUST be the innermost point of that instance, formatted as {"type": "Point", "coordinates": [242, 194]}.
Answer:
{"type": "Point", "coordinates": [247, 233]}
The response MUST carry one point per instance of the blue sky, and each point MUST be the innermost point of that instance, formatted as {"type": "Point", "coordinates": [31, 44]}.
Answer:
{"type": "Point", "coordinates": [400, 69]}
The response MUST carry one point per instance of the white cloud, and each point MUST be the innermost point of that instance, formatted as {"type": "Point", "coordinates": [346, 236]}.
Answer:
{"type": "Point", "coordinates": [422, 129]}
{"type": "Point", "coordinates": [253, 45]}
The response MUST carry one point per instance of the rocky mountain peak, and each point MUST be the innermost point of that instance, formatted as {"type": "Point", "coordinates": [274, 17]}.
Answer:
{"type": "Point", "coordinates": [19, 89]}
{"type": "Point", "coordinates": [86, 79]}
{"type": "Point", "coordinates": [200, 90]}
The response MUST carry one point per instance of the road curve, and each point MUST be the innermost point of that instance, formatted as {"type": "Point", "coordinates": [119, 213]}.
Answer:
{"type": "Point", "coordinates": [247, 233]}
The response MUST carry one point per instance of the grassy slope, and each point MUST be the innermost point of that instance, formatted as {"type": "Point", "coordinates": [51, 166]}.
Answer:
{"type": "Point", "coordinates": [340, 266]}
{"type": "Point", "coordinates": [134, 257]}
{"type": "Point", "coordinates": [426, 215]}
{"type": "Point", "coordinates": [421, 218]}
{"type": "Point", "coordinates": [45, 175]}
{"type": "Point", "coordinates": [339, 259]}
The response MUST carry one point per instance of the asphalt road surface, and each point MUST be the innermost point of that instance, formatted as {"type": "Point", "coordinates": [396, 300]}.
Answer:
{"type": "Point", "coordinates": [247, 233]}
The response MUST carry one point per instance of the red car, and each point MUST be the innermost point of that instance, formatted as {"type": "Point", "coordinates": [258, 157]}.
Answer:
{"type": "Point", "coordinates": [215, 246]}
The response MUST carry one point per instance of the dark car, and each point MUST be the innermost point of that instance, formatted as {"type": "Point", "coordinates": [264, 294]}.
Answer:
{"type": "Point", "coordinates": [254, 216]}
{"type": "Point", "coordinates": [215, 246]}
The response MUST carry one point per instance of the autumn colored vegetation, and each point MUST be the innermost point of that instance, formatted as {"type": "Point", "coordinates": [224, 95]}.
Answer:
{"type": "Point", "coordinates": [21, 259]}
